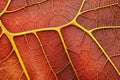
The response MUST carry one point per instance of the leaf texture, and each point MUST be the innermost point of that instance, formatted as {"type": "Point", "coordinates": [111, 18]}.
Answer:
{"type": "Point", "coordinates": [9, 64]}
{"type": "Point", "coordinates": [59, 39]}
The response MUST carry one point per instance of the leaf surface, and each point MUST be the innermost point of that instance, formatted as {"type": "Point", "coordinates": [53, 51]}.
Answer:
{"type": "Point", "coordinates": [59, 40]}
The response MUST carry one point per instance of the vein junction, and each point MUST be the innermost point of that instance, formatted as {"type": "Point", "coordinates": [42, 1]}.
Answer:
{"type": "Point", "coordinates": [57, 29]}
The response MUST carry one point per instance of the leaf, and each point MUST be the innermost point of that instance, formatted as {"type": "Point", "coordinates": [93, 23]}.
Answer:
{"type": "Point", "coordinates": [59, 40]}
{"type": "Point", "coordinates": [2, 4]}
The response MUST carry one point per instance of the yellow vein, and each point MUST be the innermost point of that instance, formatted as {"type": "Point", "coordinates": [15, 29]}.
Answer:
{"type": "Point", "coordinates": [45, 55]}
{"type": "Point", "coordinates": [82, 5]}
{"type": "Point", "coordinates": [97, 8]}
{"type": "Point", "coordinates": [1, 34]}
{"type": "Point", "coordinates": [18, 56]}
{"type": "Point", "coordinates": [104, 27]}
{"type": "Point", "coordinates": [115, 55]}
{"type": "Point", "coordinates": [10, 37]}
{"type": "Point", "coordinates": [4, 10]}
{"type": "Point", "coordinates": [91, 35]}
{"type": "Point", "coordinates": [79, 26]}
{"type": "Point", "coordinates": [32, 31]}
{"type": "Point", "coordinates": [65, 48]}
{"type": "Point", "coordinates": [79, 11]}
{"type": "Point", "coordinates": [42, 29]}
{"type": "Point", "coordinates": [24, 7]}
